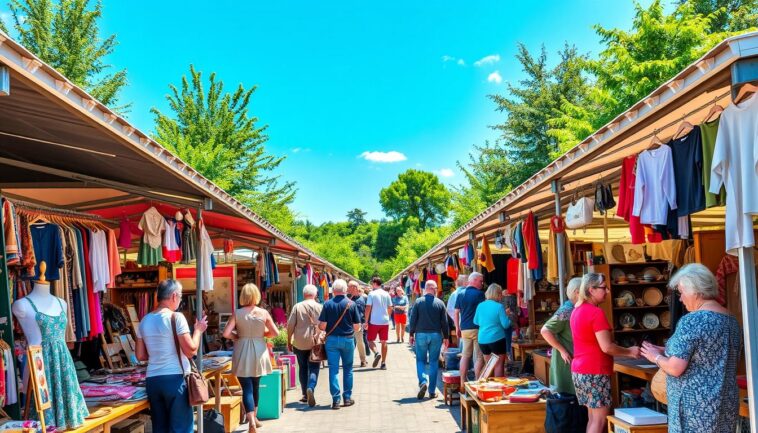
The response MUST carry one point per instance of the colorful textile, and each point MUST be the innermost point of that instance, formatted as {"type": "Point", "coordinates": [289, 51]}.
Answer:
{"type": "Point", "coordinates": [124, 234]}
{"type": "Point", "coordinates": [485, 256]}
{"type": "Point", "coordinates": [152, 225]}
{"type": "Point", "coordinates": [593, 390]}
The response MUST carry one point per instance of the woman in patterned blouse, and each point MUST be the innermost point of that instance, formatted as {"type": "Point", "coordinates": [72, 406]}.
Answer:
{"type": "Point", "coordinates": [700, 359]}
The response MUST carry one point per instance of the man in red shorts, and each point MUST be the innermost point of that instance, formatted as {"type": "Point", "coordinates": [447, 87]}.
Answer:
{"type": "Point", "coordinates": [378, 310]}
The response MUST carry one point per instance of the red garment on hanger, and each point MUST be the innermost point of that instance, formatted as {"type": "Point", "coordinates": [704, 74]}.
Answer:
{"type": "Point", "coordinates": [626, 199]}
{"type": "Point", "coordinates": [530, 239]}
{"type": "Point", "coordinates": [511, 278]}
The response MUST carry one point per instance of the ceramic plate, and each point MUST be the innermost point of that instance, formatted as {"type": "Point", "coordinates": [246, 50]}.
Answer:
{"type": "Point", "coordinates": [665, 319]}
{"type": "Point", "coordinates": [652, 296]}
{"type": "Point", "coordinates": [617, 273]}
{"type": "Point", "coordinates": [650, 321]}
{"type": "Point", "coordinates": [651, 271]}
{"type": "Point", "coordinates": [629, 296]}
{"type": "Point", "coordinates": [627, 321]}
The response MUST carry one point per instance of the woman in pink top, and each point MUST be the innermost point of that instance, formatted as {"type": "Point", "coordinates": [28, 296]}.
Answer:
{"type": "Point", "coordinates": [592, 365]}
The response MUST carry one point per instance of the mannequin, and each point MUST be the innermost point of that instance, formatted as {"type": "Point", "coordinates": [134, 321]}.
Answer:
{"type": "Point", "coordinates": [46, 303]}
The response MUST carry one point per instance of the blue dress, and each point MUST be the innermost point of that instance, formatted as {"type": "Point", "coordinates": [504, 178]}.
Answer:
{"type": "Point", "coordinates": [68, 408]}
{"type": "Point", "coordinates": [705, 397]}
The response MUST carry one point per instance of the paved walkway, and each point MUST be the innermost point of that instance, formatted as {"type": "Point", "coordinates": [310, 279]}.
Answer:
{"type": "Point", "coordinates": [385, 401]}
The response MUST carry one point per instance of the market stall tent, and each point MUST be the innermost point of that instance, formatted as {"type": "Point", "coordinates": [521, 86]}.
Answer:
{"type": "Point", "coordinates": [712, 79]}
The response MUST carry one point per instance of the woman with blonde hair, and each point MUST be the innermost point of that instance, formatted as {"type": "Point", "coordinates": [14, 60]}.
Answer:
{"type": "Point", "coordinates": [248, 327]}
{"type": "Point", "coordinates": [494, 327]}
{"type": "Point", "coordinates": [594, 350]}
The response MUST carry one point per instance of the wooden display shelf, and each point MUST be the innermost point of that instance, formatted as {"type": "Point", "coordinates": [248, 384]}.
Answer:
{"type": "Point", "coordinates": [137, 286]}
{"type": "Point", "coordinates": [633, 331]}
{"type": "Point", "coordinates": [646, 307]}
{"type": "Point", "coordinates": [640, 283]}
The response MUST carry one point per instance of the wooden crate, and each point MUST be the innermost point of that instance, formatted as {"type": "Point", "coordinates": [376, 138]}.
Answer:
{"type": "Point", "coordinates": [616, 425]}
{"type": "Point", "coordinates": [231, 409]}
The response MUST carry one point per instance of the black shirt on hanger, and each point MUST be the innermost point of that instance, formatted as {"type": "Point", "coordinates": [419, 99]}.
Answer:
{"type": "Point", "coordinates": [687, 157]}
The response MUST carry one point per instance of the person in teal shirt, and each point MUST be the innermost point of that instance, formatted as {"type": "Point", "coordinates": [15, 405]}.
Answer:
{"type": "Point", "coordinates": [494, 327]}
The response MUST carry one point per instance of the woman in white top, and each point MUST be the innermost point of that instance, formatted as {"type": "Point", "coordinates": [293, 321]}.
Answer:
{"type": "Point", "coordinates": [248, 328]}
{"type": "Point", "coordinates": [166, 388]}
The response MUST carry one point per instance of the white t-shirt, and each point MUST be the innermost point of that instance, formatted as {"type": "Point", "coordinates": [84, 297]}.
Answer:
{"type": "Point", "coordinates": [380, 301]}
{"type": "Point", "coordinates": [655, 188]}
{"type": "Point", "coordinates": [735, 165]}
{"type": "Point", "coordinates": [155, 330]}
{"type": "Point", "coordinates": [451, 301]}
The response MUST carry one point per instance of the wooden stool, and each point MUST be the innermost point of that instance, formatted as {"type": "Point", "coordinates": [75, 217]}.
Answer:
{"type": "Point", "coordinates": [451, 385]}
{"type": "Point", "coordinates": [625, 427]}
{"type": "Point", "coordinates": [466, 403]}
{"type": "Point", "coordinates": [231, 407]}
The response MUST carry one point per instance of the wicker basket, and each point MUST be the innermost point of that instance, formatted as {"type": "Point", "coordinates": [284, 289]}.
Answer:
{"type": "Point", "coordinates": [658, 386]}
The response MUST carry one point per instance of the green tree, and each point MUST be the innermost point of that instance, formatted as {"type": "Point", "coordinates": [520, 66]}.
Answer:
{"type": "Point", "coordinates": [65, 34]}
{"type": "Point", "coordinates": [213, 131]}
{"type": "Point", "coordinates": [387, 236]}
{"type": "Point", "coordinates": [726, 15]}
{"type": "Point", "coordinates": [416, 198]}
{"type": "Point", "coordinates": [410, 247]}
{"type": "Point", "coordinates": [356, 217]}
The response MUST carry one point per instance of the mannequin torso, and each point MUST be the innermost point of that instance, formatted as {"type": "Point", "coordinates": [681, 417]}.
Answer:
{"type": "Point", "coordinates": [45, 302]}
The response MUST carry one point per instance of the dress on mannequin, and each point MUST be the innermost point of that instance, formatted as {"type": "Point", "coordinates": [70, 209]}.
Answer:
{"type": "Point", "coordinates": [43, 318]}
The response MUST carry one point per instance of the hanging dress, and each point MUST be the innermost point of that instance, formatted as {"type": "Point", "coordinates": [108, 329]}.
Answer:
{"type": "Point", "coordinates": [68, 409]}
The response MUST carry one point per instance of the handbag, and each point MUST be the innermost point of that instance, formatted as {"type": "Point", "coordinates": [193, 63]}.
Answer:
{"type": "Point", "coordinates": [564, 414]}
{"type": "Point", "coordinates": [197, 386]}
{"type": "Point", "coordinates": [318, 351]}
{"type": "Point", "coordinates": [604, 200]}
{"type": "Point", "coordinates": [579, 212]}
{"type": "Point", "coordinates": [213, 422]}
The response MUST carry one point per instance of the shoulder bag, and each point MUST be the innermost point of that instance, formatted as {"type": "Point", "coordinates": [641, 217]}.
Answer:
{"type": "Point", "coordinates": [318, 351]}
{"type": "Point", "coordinates": [197, 386]}
{"type": "Point", "coordinates": [579, 212]}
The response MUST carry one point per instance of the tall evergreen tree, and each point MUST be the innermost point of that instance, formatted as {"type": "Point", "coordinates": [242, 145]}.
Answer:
{"type": "Point", "coordinates": [66, 35]}
{"type": "Point", "coordinates": [213, 131]}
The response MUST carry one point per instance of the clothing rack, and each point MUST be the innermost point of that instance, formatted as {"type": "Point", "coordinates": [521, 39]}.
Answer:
{"type": "Point", "coordinates": [30, 208]}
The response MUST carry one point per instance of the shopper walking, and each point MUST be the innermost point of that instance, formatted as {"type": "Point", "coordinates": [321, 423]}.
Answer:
{"type": "Point", "coordinates": [495, 329]}
{"type": "Point", "coordinates": [302, 327]}
{"type": "Point", "coordinates": [700, 359]}
{"type": "Point", "coordinates": [557, 332]}
{"type": "Point", "coordinates": [357, 296]}
{"type": "Point", "coordinates": [428, 333]}
{"type": "Point", "coordinates": [460, 287]}
{"type": "Point", "coordinates": [339, 318]}
{"type": "Point", "coordinates": [157, 337]}
{"type": "Point", "coordinates": [250, 359]}
{"type": "Point", "coordinates": [378, 310]}
{"type": "Point", "coordinates": [466, 329]}
{"type": "Point", "coordinates": [594, 350]}
{"type": "Point", "coordinates": [400, 313]}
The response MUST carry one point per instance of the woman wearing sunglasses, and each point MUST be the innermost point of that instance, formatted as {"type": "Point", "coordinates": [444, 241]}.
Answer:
{"type": "Point", "coordinates": [594, 350]}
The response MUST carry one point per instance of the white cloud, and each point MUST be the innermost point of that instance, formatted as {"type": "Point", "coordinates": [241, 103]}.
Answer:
{"type": "Point", "coordinates": [487, 60]}
{"type": "Point", "coordinates": [391, 156]}
{"type": "Point", "coordinates": [296, 150]}
{"type": "Point", "coordinates": [459, 62]}
{"type": "Point", "coordinates": [495, 77]}
{"type": "Point", "coordinates": [446, 172]}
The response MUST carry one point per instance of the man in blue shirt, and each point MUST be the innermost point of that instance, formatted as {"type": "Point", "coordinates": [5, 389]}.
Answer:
{"type": "Point", "coordinates": [466, 329]}
{"type": "Point", "coordinates": [339, 318]}
{"type": "Point", "coordinates": [357, 296]}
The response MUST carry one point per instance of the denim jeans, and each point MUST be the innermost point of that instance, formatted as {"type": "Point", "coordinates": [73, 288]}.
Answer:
{"type": "Point", "coordinates": [337, 348]}
{"type": "Point", "coordinates": [169, 404]}
{"type": "Point", "coordinates": [250, 392]}
{"type": "Point", "coordinates": [307, 371]}
{"type": "Point", "coordinates": [428, 346]}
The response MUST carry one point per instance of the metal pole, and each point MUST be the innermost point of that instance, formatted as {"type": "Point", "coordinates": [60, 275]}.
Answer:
{"type": "Point", "coordinates": [555, 187]}
{"type": "Point", "coordinates": [199, 263]}
{"type": "Point", "coordinates": [749, 298]}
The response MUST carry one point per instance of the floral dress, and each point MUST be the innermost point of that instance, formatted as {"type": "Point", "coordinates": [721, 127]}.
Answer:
{"type": "Point", "coordinates": [705, 397]}
{"type": "Point", "coordinates": [68, 409]}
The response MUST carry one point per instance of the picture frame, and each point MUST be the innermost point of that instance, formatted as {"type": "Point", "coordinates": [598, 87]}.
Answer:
{"type": "Point", "coordinates": [38, 385]}
{"type": "Point", "coordinates": [224, 293]}
{"type": "Point", "coordinates": [489, 367]}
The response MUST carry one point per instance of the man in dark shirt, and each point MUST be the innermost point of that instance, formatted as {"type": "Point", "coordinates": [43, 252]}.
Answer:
{"type": "Point", "coordinates": [340, 342]}
{"type": "Point", "coordinates": [428, 333]}
{"type": "Point", "coordinates": [357, 296]}
{"type": "Point", "coordinates": [468, 332]}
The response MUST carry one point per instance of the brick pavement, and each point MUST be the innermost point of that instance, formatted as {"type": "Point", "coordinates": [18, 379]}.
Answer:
{"type": "Point", "coordinates": [385, 401]}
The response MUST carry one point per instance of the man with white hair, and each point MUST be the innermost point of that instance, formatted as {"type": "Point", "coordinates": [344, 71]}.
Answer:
{"type": "Point", "coordinates": [357, 296]}
{"type": "Point", "coordinates": [300, 341]}
{"type": "Point", "coordinates": [428, 334]}
{"type": "Point", "coordinates": [339, 318]}
{"type": "Point", "coordinates": [466, 329]}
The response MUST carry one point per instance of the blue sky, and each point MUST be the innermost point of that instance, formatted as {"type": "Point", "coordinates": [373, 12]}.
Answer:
{"type": "Point", "coordinates": [340, 80]}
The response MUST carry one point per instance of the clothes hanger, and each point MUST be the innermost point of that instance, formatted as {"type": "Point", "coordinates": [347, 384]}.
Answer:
{"type": "Point", "coordinates": [745, 90]}
{"type": "Point", "coordinates": [684, 128]}
{"type": "Point", "coordinates": [655, 142]}
{"type": "Point", "coordinates": [715, 109]}
{"type": "Point", "coordinates": [40, 219]}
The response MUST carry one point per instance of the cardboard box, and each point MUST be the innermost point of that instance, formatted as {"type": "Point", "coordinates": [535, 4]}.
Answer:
{"type": "Point", "coordinates": [641, 416]}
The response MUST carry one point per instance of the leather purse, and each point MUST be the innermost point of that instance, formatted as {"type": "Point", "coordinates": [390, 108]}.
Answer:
{"type": "Point", "coordinates": [604, 200]}
{"type": "Point", "coordinates": [318, 351]}
{"type": "Point", "coordinates": [197, 386]}
{"type": "Point", "coordinates": [579, 212]}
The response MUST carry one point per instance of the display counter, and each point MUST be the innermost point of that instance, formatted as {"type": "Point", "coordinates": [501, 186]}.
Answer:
{"type": "Point", "coordinates": [541, 365]}
{"type": "Point", "coordinates": [639, 368]}
{"type": "Point", "coordinates": [117, 414]}
{"type": "Point", "coordinates": [504, 416]}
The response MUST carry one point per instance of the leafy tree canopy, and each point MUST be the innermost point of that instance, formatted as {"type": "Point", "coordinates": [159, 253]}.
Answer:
{"type": "Point", "coordinates": [416, 198]}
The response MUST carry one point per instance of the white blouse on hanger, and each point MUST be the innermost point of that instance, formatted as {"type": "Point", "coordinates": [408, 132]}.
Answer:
{"type": "Point", "coordinates": [655, 187]}
{"type": "Point", "coordinates": [735, 165]}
